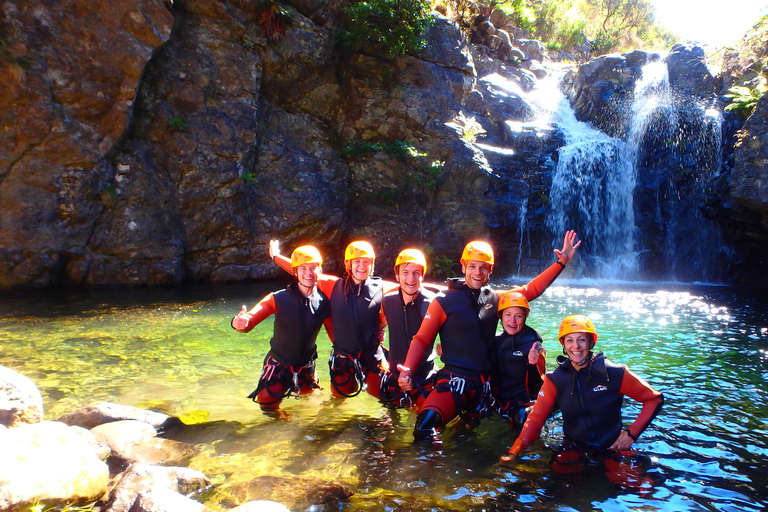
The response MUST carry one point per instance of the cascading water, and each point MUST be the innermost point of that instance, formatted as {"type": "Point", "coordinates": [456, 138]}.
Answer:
{"type": "Point", "coordinates": [634, 200]}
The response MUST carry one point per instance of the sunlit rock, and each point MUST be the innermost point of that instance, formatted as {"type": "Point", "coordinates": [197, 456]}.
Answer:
{"type": "Point", "coordinates": [20, 400]}
{"type": "Point", "coordinates": [93, 415]}
{"type": "Point", "coordinates": [49, 463]}
{"type": "Point", "coordinates": [146, 478]}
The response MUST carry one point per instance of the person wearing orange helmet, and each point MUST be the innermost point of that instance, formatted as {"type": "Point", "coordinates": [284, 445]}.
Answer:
{"type": "Point", "coordinates": [404, 309]}
{"type": "Point", "coordinates": [465, 317]}
{"type": "Point", "coordinates": [356, 324]}
{"type": "Point", "coordinates": [589, 390]}
{"type": "Point", "coordinates": [520, 360]}
{"type": "Point", "coordinates": [300, 310]}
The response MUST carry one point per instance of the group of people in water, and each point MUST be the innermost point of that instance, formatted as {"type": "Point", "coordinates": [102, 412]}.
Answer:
{"type": "Point", "coordinates": [482, 372]}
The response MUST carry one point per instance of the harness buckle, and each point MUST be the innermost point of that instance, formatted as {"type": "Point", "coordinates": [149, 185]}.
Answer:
{"type": "Point", "coordinates": [457, 384]}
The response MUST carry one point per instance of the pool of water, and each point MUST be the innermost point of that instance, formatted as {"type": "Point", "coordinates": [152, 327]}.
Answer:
{"type": "Point", "coordinates": [173, 350]}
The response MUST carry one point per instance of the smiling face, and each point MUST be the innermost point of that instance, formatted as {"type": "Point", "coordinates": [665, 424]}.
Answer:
{"type": "Point", "coordinates": [306, 275]}
{"type": "Point", "coordinates": [513, 320]}
{"type": "Point", "coordinates": [410, 275]}
{"type": "Point", "coordinates": [577, 346]}
{"type": "Point", "coordinates": [476, 273]}
{"type": "Point", "coordinates": [360, 269]}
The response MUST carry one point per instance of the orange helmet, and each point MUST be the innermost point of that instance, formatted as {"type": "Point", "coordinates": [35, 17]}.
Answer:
{"type": "Point", "coordinates": [511, 299]}
{"type": "Point", "coordinates": [478, 251]}
{"type": "Point", "coordinates": [359, 249]}
{"type": "Point", "coordinates": [305, 255]}
{"type": "Point", "coordinates": [414, 256]}
{"type": "Point", "coordinates": [577, 323]}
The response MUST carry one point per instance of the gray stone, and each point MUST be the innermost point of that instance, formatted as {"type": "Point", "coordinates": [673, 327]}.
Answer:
{"type": "Point", "coordinates": [145, 478]}
{"type": "Point", "coordinates": [91, 416]}
{"type": "Point", "coordinates": [166, 500]}
{"type": "Point", "coordinates": [20, 400]}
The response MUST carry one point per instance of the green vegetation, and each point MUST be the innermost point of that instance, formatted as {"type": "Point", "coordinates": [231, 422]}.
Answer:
{"type": "Point", "coordinates": [751, 63]}
{"type": "Point", "coordinates": [468, 127]}
{"type": "Point", "coordinates": [249, 178]}
{"type": "Point", "coordinates": [385, 28]}
{"type": "Point", "coordinates": [443, 266]}
{"type": "Point", "coordinates": [359, 148]}
{"type": "Point", "coordinates": [743, 99]}
{"type": "Point", "coordinates": [178, 123]}
{"type": "Point", "coordinates": [39, 507]}
{"type": "Point", "coordinates": [597, 26]}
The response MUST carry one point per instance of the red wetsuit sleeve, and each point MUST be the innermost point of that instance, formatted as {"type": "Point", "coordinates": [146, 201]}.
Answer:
{"type": "Point", "coordinates": [538, 284]}
{"type": "Point", "coordinates": [284, 263]}
{"type": "Point", "coordinates": [421, 344]}
{"type": "Point", "coordinates": [637, 389]}
{"type": "Point", "coordinates": [539, 414]}
{"type": "Point", "coordinates": [260, 311]}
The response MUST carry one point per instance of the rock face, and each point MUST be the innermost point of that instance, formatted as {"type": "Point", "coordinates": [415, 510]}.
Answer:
{"type": "Point", "coordinates": [156, 143]}
{"type": "Point", "coordinates": [70, 75]}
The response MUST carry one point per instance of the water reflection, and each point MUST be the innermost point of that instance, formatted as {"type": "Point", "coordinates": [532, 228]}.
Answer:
{"type": "Point", "coordinates": [173, 350]}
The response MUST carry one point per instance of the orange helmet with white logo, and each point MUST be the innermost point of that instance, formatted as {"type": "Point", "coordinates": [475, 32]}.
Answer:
{"type": "Point", "coordinates": [359, 249]}
{"type": "Point", "coordinates": [478, 251]}
{"type": "Point", "coordinates": [414, 256]}
{"type": "Point", "coordinates": [577, 323]}
{"type": "Point", "coordinates": [305, 255]}
{"type": "Point", "coordinates": [511, 299]}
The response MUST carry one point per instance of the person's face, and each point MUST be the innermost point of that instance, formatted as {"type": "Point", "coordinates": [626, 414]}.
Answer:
{"type": "Point", "coordinates": [512, 320]}
{"type": "Point", "coordinates": [410, 275]}
{"type": "Point", "coordinates": [360, 269]}
{"type": "Point", "coordinates": [577, 345]}
{"type": "Point", "coordinates": [307, 274]}
{"type": "Point", "coordinates": [476, 273]}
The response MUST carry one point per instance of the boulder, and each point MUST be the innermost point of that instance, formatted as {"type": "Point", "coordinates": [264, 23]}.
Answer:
{"type": "Point", "coordinates": [20, 400]}
{"type": "Point", "coordinates": [50, 463]}
{"type": "Point", "coordinates": [166, 500]}
{"type": "Point", "coordinates": [145, 478]}
{"type": "Point", "coordinates": [93, 415]}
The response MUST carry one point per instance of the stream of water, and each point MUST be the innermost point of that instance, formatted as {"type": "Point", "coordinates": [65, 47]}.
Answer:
{"type": "Point", "coordinates": [172, 350]}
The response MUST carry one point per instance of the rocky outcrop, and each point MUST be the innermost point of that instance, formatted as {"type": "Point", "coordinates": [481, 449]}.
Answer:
{"type": "Point", "coordinates": [70, 72]}
{"type": "Point", "coordinates": [164, 142]}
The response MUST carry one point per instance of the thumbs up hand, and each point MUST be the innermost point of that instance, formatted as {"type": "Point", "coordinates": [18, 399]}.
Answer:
{"type": "Point", "coordinates": [240, 322]}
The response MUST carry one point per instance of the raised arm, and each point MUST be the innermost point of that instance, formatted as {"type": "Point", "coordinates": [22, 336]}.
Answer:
{"type": "Point", "coordinates": [540, 283]}
{"type": "Point", "coordinates": [247, 320]}
{"type": "Point", "coordinates": [274, 253]}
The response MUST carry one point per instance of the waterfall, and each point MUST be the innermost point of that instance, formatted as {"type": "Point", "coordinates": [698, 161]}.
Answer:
{"type": "Point", "coordinates": [634, 200]}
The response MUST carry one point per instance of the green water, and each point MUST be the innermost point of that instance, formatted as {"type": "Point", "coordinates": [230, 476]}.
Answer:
{"type": "Point", "coordinates": [173, 350]}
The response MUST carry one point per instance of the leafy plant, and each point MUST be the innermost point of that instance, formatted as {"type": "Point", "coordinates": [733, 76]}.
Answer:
{"type": "Point", "coordinates": [468, 127]}
{"type": "Point", "coordinates": [357, 149]}
{"type": "Point", "coordinates": [430, 175]}
{"type": "Point", "coordinates": [178, 123]}
{"type": "Point", "coordinates": [743, 98]}
{"type": "Point", "coordinates": [249, 178]}
{"type": "Point", "coordinates": [443, 266]}
{"type": "Point", "coordinates": [272, 17]}
{"type": "Point", "coordinates": [388, 28]}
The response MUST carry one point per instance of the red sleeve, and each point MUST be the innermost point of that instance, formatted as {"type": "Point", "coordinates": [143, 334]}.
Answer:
{"type": "Point", "coordinates": [284, 263]}
{"type": "Point", "coordinates": [538, 284]}
{"type": "Point", "coordinates": [637, 389]}
{"type": "Point", "coordinates": [260, 311]}
{"type": "Point", "coordinates": [421, 344]}
{"type": "Point", "coordinates": [536, 419]}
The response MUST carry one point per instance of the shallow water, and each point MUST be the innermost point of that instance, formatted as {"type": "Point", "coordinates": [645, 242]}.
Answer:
{"type": "Point", "coordinates": [172, 350]}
